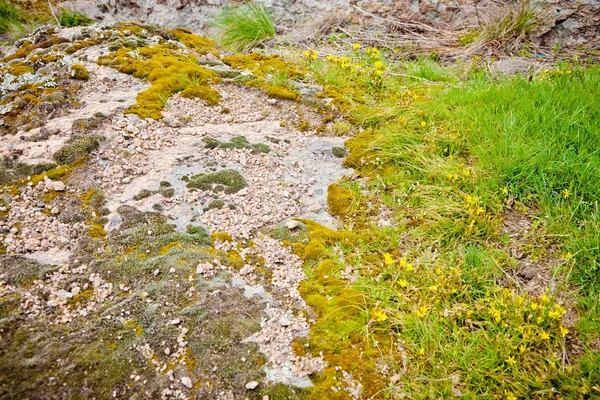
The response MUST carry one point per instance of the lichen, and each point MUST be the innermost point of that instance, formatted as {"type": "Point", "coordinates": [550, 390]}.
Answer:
{"type": "Point", "coordinates": [76, 147]}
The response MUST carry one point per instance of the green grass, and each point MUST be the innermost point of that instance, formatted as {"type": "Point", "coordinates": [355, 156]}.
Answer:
{"type": "Point", "coordinates": [10, 18]}
{"type": "Point", "coordinates": [244, 27]}
{"type": "Point", "coordinates": [73, 18]}
{"type": "Point", "coordinates": [435, 300]}
{"type": "Point", "coordinates": [507, 26]}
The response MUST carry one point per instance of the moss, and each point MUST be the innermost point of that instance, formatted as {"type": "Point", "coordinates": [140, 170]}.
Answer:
{"type": "Point", "coordinates": [19, 69]}
{"type": "Point", "coordinates": [82, 125]}
{"type": "Point", "coordinates": [144, 193]}
{"type": "Point", "coordinates": [304, 125]}
{"type": "Point", "coordinates": [215, 204]}
{"type": "Point", "coordinates": [79, 72]}
{"type": "Point", "coordinates": [209, 95]}
{"type": "Point", "coordinates": [221, 236]}
{"type": "Point", "coordinates": [237, 142]}
{"type": "Point", "coordinates": [166, 192]}
{"type": "Point", "coordinates": [227, 180]}
{"type": "Point", "coordinates": [197, 43]}
{"type": "Point", "coordinates": [168, 69]}
{"type": "Point", "coordinates": [77, 147]}
{"type": "Point", "coordinates": [27, 47]}
{"type": "Point", "coordinates": [196, 230]}
{"type": "Point", "coordinates": [339, 200]}
{"type": "Point", "coordinates": [338, 152]}
{"type": "Point", "coordinates": [281, 92]}
{"type": "Point", "coordinates": [263, 65]}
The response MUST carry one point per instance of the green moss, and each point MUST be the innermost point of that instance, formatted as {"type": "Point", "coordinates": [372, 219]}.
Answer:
{"type": "Point", "coordinates": [79, 72]}
{"type": "Point", "coordinates": [281, 92]}
{"type": "Point", "coordinates": [338, 152]}
{"type": "Point", "coordinates": [82, 125]}
{"type": "Point", "coordinates": [209, 95]}
{"type": "Point", "coordinates": [144, 193]}
{"type": "Point", "coordinates": [215, 204]}
{"type": "Point", "coordinates": [77, 147]}
{"type": "Point", "coordinates": [262, 65]}
{"type": "Point", "coordinates": [339, 200]}
{"type": "Point", "coordinates": [237, 142]}
{"type": "Point", "coordinates": [227, 180]}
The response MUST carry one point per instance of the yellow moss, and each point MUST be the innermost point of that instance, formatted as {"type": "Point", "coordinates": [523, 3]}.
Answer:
{"type": "Point", "coordinates": [57, 173]}
{"type": "Point", "coordinates": [79, 72]}
{"type": "Point", "coordinates": [169, 71]}
{"type": "Point", "coordinates": [359, 149]}
{"type": "Point", "coordinates": [197, 43]}
{"type": "Point", "coordinates": [314, 250]}
{"type": "Point", "coordinates": [303, 126]}
{"type": "Point", "coordinates": [19, 69]}
{"type": "Point", "coordinates": [82, 44]}
{"type": "Point", "coordinates": [165, 249]}
{"type": "Point", "coordinates": [209, 95]}
{"type": "Point", "coordinates": [339, 200]}
{"type": "Point", "coordinates": [262, 65]}
{"type": "Point", "coordinates": [281, 92]}
{"type": "Point", "coordinates": [222, 236]}
{"type": "Point", "coordinates": [97, 231]}
{"type": "Point", "coordinates": [132, 323]}
{"type": "Point", "coordinates": [27, 47]}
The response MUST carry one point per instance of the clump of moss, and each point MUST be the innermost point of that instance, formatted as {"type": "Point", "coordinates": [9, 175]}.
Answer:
{"type": "Point", "coordinates": [338, 152]}
{"type": "Point", "coordinates": [283, 93]}
{"type": "Point", "coordinates": [144, 193]}
{"type": "Point", "coordinates": [197, 43]}
{"type": "Point", "coordinates": [203, 92]}
{"type": "Point", "coordinates": [262, 65]}
{"type": "Point", "coordinates": [339, 200]}
{"type": "Point", "coordinates": [227, 180]}
{"type": "Point", "coordinates": [76, 147]}
{"type": "Point", "coordinates": [79, 72]}
{"type": "Point", "coordinates": [82, 125]}
{"type": "Point", "coordinates": [169, 69]}
{"type": "Point", "coordinates": [215, 204]}
{"type": "Point", "coordinates": [74, 18]}
{"type": "Point", "coordinates": [304, 125]}
{"type": "Point", "coordinates": [19, 69]}
{"type": "Point", "coordinates": [237, 142]}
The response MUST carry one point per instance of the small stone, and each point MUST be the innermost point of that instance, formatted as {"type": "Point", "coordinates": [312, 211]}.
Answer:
{"type": "Point", "coordinates": [293, 224]}
{"type": "Point", "coordinates": [176, 321]}
{"type": "Point", "coordinates": [172, 270]}
{"type": "Point", "coordinates": [187, 382]}
{"type": "Point", "coordinates": [285, 322]}
{"type": "Point", "coordinates": [251, 385]}
{"type": "Point", "coordinates": [272, 101]}
{"type": "Point", "coordinates": [167, 351]}
{"type": "Point", "coordinates": [126, 180]}
{"type": "Point", "coordinates": [156, 272]}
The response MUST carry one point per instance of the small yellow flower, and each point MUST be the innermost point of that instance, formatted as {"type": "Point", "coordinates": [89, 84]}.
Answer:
{"type": "Point", "coordinates": [566, 194]}
{"type": "Point", "coordinates": [389, 260]}
{"type": "Point", "coordinates": [522, 348]}
{"type": "Point", "coordinates": [378, 65]}
{"type": "Point", "coordinates": [332, 58]}
{"type": "Point", "coordinates": [545, 336]}
{"type": "Point", "coordinates": [403, 262]}
{"type": "Point", "coordinates": [356, 46]}
{"type": "Point", "coordinates": [563, 331]}
{"type": "Point", "coordinates": [534, 306]}
{"type": "Point", "coordinates": [423, 124]}
{"type": "Point", "coordinates": [421, 351]}
{"type": "Point", "coordinates": [379, 72]}
{"type": "Point", "coordinates": [511, 360]}
{"type": "Point", "coordinates": [568, 256]}
{"type": "Point", "coordinates": [379, 315]}
{"type": "Point", "coordinates": [402, 283]}
{"type": "Point", "coordinates": [421, 311]}
{"type": "Point", "coordinates": [509, 396]}
{"type": "Point", "coordinates": [505, 190]}
{"type": "Point", "coordinates": [409, 267]}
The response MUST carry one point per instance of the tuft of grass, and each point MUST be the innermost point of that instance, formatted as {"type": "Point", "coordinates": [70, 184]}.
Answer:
{"type": "Point", "coordinates": [11, 19]}
{"type": "Point", "coordinates": [245, 27]}
{"type": "Point", "coordinates": [508, 26]}
{"type": "Point", "coordinates": [74, 18]}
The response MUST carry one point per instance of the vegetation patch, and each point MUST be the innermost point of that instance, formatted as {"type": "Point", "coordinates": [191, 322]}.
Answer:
{"type": "Point", "coordinates": [227, 181]}
{"type": "Point", "coordinates": [237, 142]}
{"type": "Point", "coordinates": [73, 18]}
{"type": "Point", "coordinates": [169, 69]}
{"type": "Point", "coordinates": [79, 72]}
{"type": "Point", "coordinates": [245, 26]}
{"type": "Point", "coordinates": [76, 147]}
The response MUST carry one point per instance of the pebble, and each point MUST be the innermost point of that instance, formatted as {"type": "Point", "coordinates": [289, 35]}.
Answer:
{"type": "Point", "coordinates": [187, 382]}
{"type": "Point", "coordinates": [251, 385]}
{"type": "Point", "coordinates": [293, 224]}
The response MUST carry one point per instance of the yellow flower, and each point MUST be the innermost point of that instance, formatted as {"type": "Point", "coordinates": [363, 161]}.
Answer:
{"type": "Point", "coordinates": [388, 259]}
{"type": "Point", "coordinates": [563, 331]}
{"type": "Point", "coordinates": [509, 396]}
{"type": "Point", "coordinates": [423, 124]}
{"type": "Point", "coordinates": [421, 351]}
{"type": "Point", "coordinates": [379, 315]}
{"type": "Point", "coordinates": [545, 336]}
{"type": "Point", "coordinates": [421, 311]}
{"type": "Point", "coordinates": [379, 72]}
{"type": "Point", "coordinates": [378, 65]}
{"type": "Point", "coordinates": [568, 256]}
{"type": "Point", "coordinates": [402, 283]}
{"type": "Point", "coordinates": [356, 46]}
{"type": "Point", "coordinates": [504, 190]}
{"type": "Point", "coordinates": [409, 267]}
{"type": "Point", "coordinates": [534, 306]}
{"type": "Point", "coordinates": [522, 348]}
{"type": "Point", "coordinates": [566, 194]}
{"type": "Point", "coordinates": [332, 58]}
{"type": "Point", "coordinates": [511, 360]}
{"type": "Point", "coordinates": [403, 262]}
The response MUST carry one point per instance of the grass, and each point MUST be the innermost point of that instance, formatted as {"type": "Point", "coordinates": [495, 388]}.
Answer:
{"type": "Point", "coordinates": [73, 18]}
{"type": "Point", "coordinates": [11, 20]}
{"type": "Point", "coordinates": [434, 300]}
{"type": "Point", "coordinates": [507, 26]}
{"type": "Point", "coordinates": [244, 27]}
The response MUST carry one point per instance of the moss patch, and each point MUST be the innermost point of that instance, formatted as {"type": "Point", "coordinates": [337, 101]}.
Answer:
{"type": "Point", "coordinates": [76, 147]}
{"type": "Point", "coordinates": [227, 180]}
{"type": "Point", "coordinates": [79, 72]}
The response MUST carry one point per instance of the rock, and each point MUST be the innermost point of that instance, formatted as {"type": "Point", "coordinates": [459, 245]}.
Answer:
{"type": "Point", "coordinates": [32, 244]}
{"type": "Point", "coordinates": [285, 322]}
{"type": "Point", "coordinates": [251, 385]}
{"type": "Point", "coordinates": [167, 351]}
{"type": "Point", "coordinates": [272, 101]}
{"type": "Point", "coordinates": [176, 321]}
{"type": "Point", "coordinates": [54, 185]}
{"type": "Point", "coordinates": [187, 382]}
{"type": "Point", "coordinates": [63, 294]}
{"type": "Point", "coordinates": [293, 224]}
